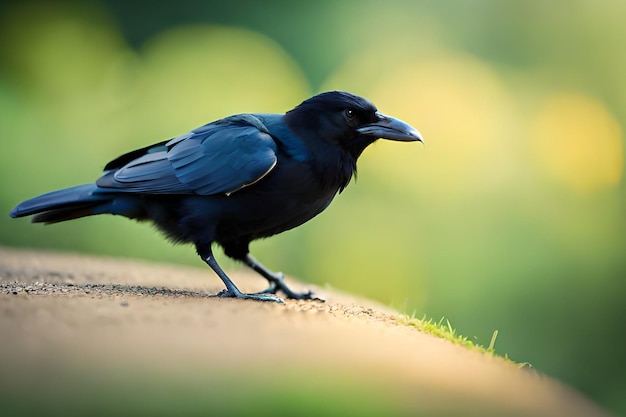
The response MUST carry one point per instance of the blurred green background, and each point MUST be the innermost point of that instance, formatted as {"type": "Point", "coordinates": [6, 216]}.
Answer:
{"type": "Point", "coordinates": [511, 217]}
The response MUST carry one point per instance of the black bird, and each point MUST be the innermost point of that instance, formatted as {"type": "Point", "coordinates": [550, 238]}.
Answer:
{"type": "Point", "coordinates": [237, 179]}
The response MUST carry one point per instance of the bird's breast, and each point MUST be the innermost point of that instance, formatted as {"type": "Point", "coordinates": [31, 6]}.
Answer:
{"type": "Point", "coordinates": [289, 196]}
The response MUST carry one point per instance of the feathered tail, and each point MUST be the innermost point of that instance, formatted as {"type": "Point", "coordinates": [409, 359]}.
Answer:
{"type": "Point", "coordinates": [67, 204]}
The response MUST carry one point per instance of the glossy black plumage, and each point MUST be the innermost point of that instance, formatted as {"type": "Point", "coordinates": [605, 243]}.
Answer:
{"type": "Point", "coordinates": [235, 180]}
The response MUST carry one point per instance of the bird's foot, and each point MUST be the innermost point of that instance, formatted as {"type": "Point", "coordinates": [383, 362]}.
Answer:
{"type": "Point", "coordinates": [277, 283]}
{"type": "Point", "coordinates": [244, 296]}
{"type": "Point", "coordinates": [272, 289]}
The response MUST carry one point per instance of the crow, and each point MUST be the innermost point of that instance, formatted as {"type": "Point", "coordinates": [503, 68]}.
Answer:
{"type": "Point", "coordinates": [235, 180]}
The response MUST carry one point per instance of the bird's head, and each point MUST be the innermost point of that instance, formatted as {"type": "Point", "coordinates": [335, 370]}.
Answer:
{"type": "Point", "coordinates": [347, 120]}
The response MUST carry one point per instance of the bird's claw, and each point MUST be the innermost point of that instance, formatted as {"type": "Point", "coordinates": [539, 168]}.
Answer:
{"type": "Point", "coordinates": [305, 295]}
{"type": "Point", "coordinates": [272, 289]}
{"type": "Point", "coordinates": [309, 296]}
{"type": "Point", "coordinates": [244, 296]}
{"type": "Point", "coordinates": [278, 284]}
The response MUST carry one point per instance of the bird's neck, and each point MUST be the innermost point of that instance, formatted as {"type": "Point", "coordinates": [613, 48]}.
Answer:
{"type": "Point", "coordinates": [334, 166]}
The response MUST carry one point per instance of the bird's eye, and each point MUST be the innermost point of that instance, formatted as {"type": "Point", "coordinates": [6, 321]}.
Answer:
{"type": "Point", "coordinates": [350, 114]}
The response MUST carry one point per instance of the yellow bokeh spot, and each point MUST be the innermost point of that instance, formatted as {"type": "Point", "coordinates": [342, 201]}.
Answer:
{"type": "Point", "coordinates": [579, 142]}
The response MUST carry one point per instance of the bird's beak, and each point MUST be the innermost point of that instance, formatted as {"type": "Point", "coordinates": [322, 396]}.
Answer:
{"type": "Point", "coordinates": [387, 127]}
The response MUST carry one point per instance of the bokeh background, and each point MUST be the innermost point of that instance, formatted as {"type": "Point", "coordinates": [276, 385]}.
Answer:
{"type": "Point", "coordinates": [510, 218]}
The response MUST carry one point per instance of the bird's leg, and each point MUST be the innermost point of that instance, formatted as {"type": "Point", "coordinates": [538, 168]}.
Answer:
{"type": "Point", "coordinates": [277, 281]}
{"type": "Point", "coordinates": [231, 290]}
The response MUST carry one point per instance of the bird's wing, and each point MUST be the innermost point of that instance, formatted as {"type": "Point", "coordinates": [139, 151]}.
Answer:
{"type": "Point", "coordinates": [221, 157]}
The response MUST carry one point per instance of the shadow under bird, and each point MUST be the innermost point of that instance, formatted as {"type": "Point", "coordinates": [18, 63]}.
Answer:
{"type": "Point", "coordinates": [241, 178]}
